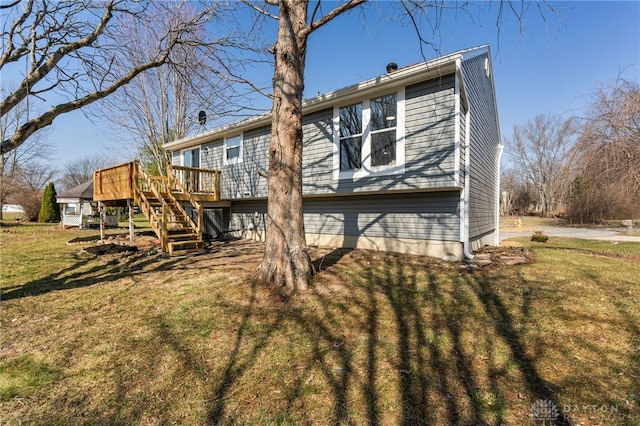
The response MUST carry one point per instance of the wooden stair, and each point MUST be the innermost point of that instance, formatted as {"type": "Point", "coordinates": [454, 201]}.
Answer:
{"type": "Point", "coordinates": [178, 233]}
{"type": "Point", "coordinates": [170, 203]}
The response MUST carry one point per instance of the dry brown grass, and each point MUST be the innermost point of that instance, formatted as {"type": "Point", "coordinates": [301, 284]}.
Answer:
{"type": "Point", "coordinates": [380, 339]}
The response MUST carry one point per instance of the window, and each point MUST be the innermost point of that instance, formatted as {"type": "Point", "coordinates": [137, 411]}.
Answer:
{"type": "Point", "coordinates": [369, 137]}
{"type": "Point", "coordinates": [351, 137]}
{"type": "Point", "coordinates": [191, 157]}
{"type": "Point", "coordinates": [383, 130]}
{"type": "Point", "coordinates": [233, 150]}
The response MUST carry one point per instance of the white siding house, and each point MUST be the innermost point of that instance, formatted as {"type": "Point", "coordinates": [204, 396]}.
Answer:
{"type": "Point", "coordinates": [75, 205]}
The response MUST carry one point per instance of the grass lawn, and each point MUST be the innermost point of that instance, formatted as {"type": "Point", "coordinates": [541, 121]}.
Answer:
{"type": "Point", "coordinates": [141, 338]}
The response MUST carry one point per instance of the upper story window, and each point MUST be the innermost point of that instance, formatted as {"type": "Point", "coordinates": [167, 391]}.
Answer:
{"type": "Point", "coordinates": [351, 137]}
{"type": "Point", "coordinates": [233, 150]}
{"type": "Point", "coordinates": [383, 130]}
{"type": "Point", "coordinates": [369, 137]}
{"type": "Point", "coordinates": [191, 157]}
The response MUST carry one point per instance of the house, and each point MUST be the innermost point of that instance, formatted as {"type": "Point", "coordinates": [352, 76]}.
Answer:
{"type": "Point", "coordinates": [405, 162]}
{"type": "Point", "coordinates": [78, 209]}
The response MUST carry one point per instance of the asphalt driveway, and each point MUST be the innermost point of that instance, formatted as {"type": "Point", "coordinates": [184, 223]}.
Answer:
{"type": "Point", "coordinates": [605, 234]}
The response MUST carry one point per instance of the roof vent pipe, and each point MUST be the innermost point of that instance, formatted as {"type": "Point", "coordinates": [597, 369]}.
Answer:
{"type": "Point", "coordinates": [391, 67]}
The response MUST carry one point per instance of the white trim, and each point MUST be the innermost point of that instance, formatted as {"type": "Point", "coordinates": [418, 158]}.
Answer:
{"type": "Point", "coordinates": [336, 142]}
{"type": "Point", "coordinates": [236, 160]}
{"type": "Point", "coordinates": [366, 143]}
{"type": "Point", "coordinates": [401, 130]}
{"type": "Point", "coordinates": [367, 170]}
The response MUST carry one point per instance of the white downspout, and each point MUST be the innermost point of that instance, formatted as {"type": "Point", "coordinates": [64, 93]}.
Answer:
{"type": "Point", "coordinates": [466, 245]}
{"type": "Point", "coordinates": [464, 193]}
{"type": "Point", "coordinates": [496, 242]}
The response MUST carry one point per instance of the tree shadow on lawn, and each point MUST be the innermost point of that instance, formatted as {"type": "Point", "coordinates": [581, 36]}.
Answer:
{"type": "Point", "coordinates": [445, 358]}
{"type": "Point", "coordinates": [77, 275]}
{"type": "Point", "coordinates": [442, 346]}
{"type": "Point", "coordinates": [456, 349]}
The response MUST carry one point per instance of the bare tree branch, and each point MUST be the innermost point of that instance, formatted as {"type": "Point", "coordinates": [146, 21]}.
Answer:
{"type": "Point", "coordinates": [72, 48]}
{"type": "Point", "coordinates": [539, 148]}
{"type": "Point", "coordinates": [9, 5]}
{"type": "Point", "coordinates": [606, 156]}
{"type": "Point", "coordinates": [260, 10]}
{"type": "Point", "coordinates": [43, 70]}
{"type": "Point", "coordinates": [338, 10]}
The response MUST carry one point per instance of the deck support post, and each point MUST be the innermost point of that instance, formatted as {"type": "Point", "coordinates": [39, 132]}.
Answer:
{"type": "Point", "coordinates": [131, 224]}
{"type": "Point", "coordinates": [163, 228]}
{"type": "Point", "coordinates": [103, 213]}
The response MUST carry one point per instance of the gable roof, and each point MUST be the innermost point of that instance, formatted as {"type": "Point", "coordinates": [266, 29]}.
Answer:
{"type": "Point", "coordinates": [407, 75]}
{"type": "Point", "coordinates": [84, 191]}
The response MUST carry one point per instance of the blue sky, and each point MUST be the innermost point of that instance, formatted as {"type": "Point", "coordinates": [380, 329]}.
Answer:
{"type": "Point", "coordinates": [549, 66]}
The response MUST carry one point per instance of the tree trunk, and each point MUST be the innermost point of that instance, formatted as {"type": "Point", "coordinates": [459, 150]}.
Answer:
{"type": "Point", "coordinates": [286, 258]}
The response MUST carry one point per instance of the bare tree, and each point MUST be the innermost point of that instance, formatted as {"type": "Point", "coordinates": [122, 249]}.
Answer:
{"type": "Point", "coordinates": [13, 163]}
{"type": "Point", "coordinates": [606, 155]}
{"type": "Point", "coordinates": [68, 53]}
{"type": "Point", "coordinates": [162, 104]}
{"type": "Point", "coordinates": [80, 171]}
{"type": "Point", "coordinates": [539, 149]}
{"type": "Point", "coordinates": [517, 193]}
{"type": "Point", "coordinates": [286, 258]}
{"type": "Point", "coordinates": [30, 183]}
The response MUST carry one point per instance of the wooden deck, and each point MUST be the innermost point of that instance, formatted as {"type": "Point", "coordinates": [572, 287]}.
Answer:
{"type": "Point", "coordinates": [168, 202]}
{"type": "Point", "coordinates": [116, 185]}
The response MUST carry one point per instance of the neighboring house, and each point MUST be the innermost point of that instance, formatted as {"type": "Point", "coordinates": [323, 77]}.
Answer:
{"type": "Point", "coordinates": [78, 209]}
{"type": "Point", "coordinates": [405, 162]}
{"type": "Point", "coordinates": [12, 208]}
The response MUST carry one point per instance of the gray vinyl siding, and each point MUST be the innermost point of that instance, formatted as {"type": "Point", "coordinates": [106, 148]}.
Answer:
{"type": "Point", "coordinates": [212, 155]}
{"type": "Point", "coordinates": [175, 158]}
{"type": "Point", "coordinates": [317, 153]}
{"type": "Point", "coordinates": [483, 143]}
{"type": "Point", "coordinates": [429, 145]}
{"type": "Point", "coordinates": [429, 150]}
{"type": "Point", "coordinates": [241, 180]}
{"type": "Point", "coordinates": [420, 216]}
{"type": "Point", "coordinates": [248, 215]}
{"type": "Point", "coordinates": [424, 202]}
{"type": "Point", "coordinates": [430, 134]}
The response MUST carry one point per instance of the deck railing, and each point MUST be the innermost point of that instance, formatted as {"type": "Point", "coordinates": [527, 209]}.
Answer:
{"type": "Point", "coordinates": [115, 183]}
{"type": "Point", "coordinates": [195, 180]}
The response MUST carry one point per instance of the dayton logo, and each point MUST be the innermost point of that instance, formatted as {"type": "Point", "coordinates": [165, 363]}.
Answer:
{"type": "Point", "coordinates": [545, 411]}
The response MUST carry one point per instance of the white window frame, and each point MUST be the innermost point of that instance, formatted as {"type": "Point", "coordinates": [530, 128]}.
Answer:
{"type": "Point", "coordinates": [360, 135]}
{"type": "Point", "coordinates": [227, 161]}
{"type": "Point", "coordinates": [366, 168]}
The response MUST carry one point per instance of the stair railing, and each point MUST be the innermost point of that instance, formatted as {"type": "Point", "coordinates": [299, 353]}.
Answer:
{"type": "Point", "coordinates": [175, 183]}
{"type": "Point", "coordinates": [157, 221]}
